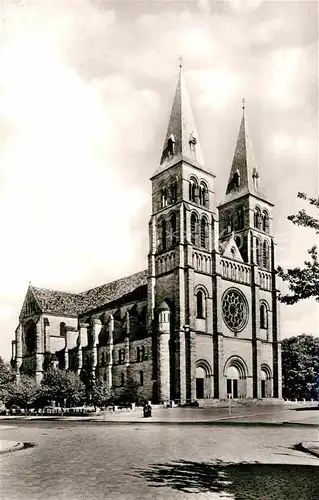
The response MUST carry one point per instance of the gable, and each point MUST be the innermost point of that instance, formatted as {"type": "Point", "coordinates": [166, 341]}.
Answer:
{"type": "Point", "coordinates": [30, 305]}
{"type": "Point", "coordinates": [230, 250]}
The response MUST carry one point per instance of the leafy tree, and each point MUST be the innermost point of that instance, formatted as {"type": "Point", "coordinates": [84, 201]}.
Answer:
{"type": "Point", "coordinates": [303, 283]}
{"type": "Point", "coordinates": [300, 367]}
{"type": "Point", "coordinates": [7, 374]}
{"type": "Point", "coordinates": [101, 394]}
{"type": "Point", "coordinates": [23, 392]}
{"type": "Point", "coordinates": [62, 387]}
{"type": "Point", "coordinates": [131, 392]}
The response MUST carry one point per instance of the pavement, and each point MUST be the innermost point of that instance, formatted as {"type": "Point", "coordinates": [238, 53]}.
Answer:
{"type": "Point", "coordinates": [189, 416]}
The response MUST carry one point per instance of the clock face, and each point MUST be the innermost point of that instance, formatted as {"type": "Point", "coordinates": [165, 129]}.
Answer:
{"type": "Point", "coordinates": [235, 310]}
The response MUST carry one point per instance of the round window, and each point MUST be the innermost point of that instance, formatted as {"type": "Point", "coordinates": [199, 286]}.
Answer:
{"type": "Point", "coordinates": [235, 310]}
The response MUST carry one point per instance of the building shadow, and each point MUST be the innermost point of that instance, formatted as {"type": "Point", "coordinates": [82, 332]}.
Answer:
{"type": "Point", "coordinates": [244, 481]}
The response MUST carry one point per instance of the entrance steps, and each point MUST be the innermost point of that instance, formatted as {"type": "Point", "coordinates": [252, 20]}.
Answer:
{"type": "Point", "coordinates": [244, 402]}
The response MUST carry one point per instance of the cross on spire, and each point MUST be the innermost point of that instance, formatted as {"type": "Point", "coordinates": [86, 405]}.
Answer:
{"type": "Point", "coordinates": [243, 102]}
{"type": "Point", "coordinates": [180, 59]}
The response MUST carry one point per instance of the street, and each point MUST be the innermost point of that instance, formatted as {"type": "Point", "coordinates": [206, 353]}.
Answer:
{"type": "Point", "coordinates": [73, 461]}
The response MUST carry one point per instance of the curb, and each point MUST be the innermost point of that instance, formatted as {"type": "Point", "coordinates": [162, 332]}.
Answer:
{"type": "Point", "coordinates": [15, 447]}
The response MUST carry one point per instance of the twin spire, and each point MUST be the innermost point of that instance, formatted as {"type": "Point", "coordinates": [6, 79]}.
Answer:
{"type": "Point", "coordinates": [182, 144]}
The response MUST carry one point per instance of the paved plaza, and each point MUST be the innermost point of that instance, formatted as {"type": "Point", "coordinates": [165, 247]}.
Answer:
{"type": "Point", "coordinates": [109, 460]}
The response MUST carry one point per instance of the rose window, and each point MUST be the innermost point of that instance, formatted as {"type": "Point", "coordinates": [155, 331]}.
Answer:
{"type": "Point", "coordinates": [235, 311]}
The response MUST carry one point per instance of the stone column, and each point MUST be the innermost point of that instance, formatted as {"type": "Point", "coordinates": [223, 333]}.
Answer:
{"type": "Point", "coordinates": [164, 353]}
{"type": "Point", "coordinates": [110, 352]}
{"type": "Point", "coordinates": [83, 342]}
{"type": "Point", "coordinates": [18, 349]}
{"type": "Point", "coordinates": [181, 369]}
{"type": "Point", "coordinates": [97, 325]}
{"type": "Point", "coordinates": [39, 351]}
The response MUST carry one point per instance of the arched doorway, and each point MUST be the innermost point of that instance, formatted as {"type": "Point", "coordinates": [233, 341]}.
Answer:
{"type": "Point", "coordinates": [232, 382]}
{"type": "Point", "coordinates": [203, 379]}
{"type": "Point", "coordinates": [236, 373]}
{"type": "Point", "coordinates": [265, 382]}
{"type": "Point", "coordinates": [200, 378]}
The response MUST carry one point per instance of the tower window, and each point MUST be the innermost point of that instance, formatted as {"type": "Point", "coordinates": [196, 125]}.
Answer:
{"type": "Point", "coordinates": [193, 188]}
{"type": "Point", "coordinates": [174, 192]}
{"type": "Point", "coordinates": [265, 221]}
{"type": "Point", "coordinates": [263, 320]}
{"type": "Point", "coordinates": [240, 218]}
{"type": "Point", "coordinates": [173, 229]}
{"type": "Point", "coordinates": [258, 252]}
{"type": "Point", "coordinates": [141, 378]}
{"type": "Point", "coordinates": [203, 194]}
{"type": "Point", "coordinates": [122, 379]}
{"type": "Point", "coordinates": [200, 304]}
{"type": "Point", "coordinates": [163, 234]}
{"type": "Point", "coordinates": [164, 197]}
{"type": "Point", "coordinates": [266, 254]}
{"type": "Point", "coordinates": [102, 358]}
{"type": "Point", "coordinates": [257, 218]}
{"type": "Point", "coordinates": [203, 233]}
{"type": "Point", "coordinates": [194, 228]}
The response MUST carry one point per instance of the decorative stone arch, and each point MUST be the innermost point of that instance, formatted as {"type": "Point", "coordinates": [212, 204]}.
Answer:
{"type": "Point", "coordinates": [235, 375]}
{"type": "Point", "coordinates": [204, 379]}
{"type": "Point", "coordinates": [265, 381]}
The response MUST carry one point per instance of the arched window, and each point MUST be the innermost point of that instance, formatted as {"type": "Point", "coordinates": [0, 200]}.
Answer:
{"type": "Point", "coordinates": [141, 378]}
{"type": "Point", "coordinates": [200, 304]}
{"type": "Point", "coordinates": [138, 354]}
{"type": "Point", "coordinates": [102, 358]}
{"type": "Point", "coordinates": [258, 252]}
{"type": "Point", "coordinates": [142, 353]}
{"type": "Point", "coordinates": [203, 233]}
{"type": "Point", "coordinates": [257, 218]}
{"type": "Point", "coordinates": [203, 194]}
{"type": "Point", "coordinates": [164, 197]}
{"type": "Point", "coordinates": [122, 379]}
{"type": "Point", "coordinates": [240, 218]}
{"type": "Point", "coordinates": [263, 320]}
{"type": "Point", "coordinates": [173, 229]}
{"type": "Point", "coordinates": [194, 228]}
{"type": "Point", "coordinates": [266, 254]}
{"type": "Point", "coordinates": [193, 188]}
{"type": "Point", "coordinates": [174, 192]}
{"type": "Point", "coordinates": [265, 221]}
{"type": "Point", "coordinates": [163, 234]}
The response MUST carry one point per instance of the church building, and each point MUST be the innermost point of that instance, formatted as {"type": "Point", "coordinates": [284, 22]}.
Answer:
{"type": "Point", "coordinates": [201, 322]}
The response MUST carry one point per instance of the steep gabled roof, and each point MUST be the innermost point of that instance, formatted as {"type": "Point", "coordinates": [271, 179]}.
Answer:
{"type": "Point", "coordinates": [98, 297]}
{"type": "Point", "coordinates": [73, 304]}
{"type": "Point", "coordinates": [56, 302]}
{"type": "Point", "coordinates": [182, 132]}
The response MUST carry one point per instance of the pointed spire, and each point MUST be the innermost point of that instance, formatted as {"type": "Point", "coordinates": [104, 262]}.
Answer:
{"type": "Point", "coordinates": [244, 176]}
{"type": "Point", "coordinates": [182, 140]}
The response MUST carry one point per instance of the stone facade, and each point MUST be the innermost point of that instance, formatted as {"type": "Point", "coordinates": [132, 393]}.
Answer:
{"type": "Point", "coordinates": [202, 321]}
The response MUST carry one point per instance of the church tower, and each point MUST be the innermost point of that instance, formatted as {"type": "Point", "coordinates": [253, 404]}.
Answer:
{"type": "Point", "coordinates": [245, 231]}
{"type": "Point", "coordinates": [182, 235]}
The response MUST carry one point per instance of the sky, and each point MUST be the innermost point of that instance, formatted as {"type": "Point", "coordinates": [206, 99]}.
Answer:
{"type": "Point", "coordinates": [86, 91]}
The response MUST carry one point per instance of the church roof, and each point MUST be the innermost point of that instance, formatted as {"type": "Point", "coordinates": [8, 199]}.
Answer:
{"type": "Point", "coordinates": [73, 304]}
{"type": "Point", "coordinates": [244, 175]}
{"type": "Point", "coordinates": [182, 132]}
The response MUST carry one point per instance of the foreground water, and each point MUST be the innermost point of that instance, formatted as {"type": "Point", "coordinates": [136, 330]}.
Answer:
{"type": "Point", "coordinates": [95, 462]}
